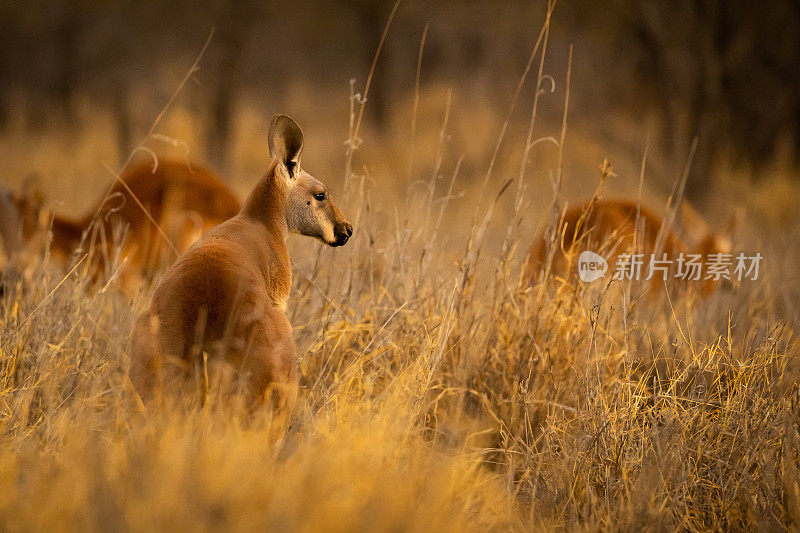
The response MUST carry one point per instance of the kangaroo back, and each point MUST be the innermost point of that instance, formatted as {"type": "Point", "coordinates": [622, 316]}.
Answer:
{"type": "Point", "coordinates": [607, 227]}
{"type": "Point", "coordinates": [614, 227]}
{"type": "Point", "coordinates": [185, 201]}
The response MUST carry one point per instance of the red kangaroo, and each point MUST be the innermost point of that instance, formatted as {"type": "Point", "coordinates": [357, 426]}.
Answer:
{"type": "Point", "coordinates": [185, 202]}
{"type": "Point", "coordinates": [610, 228]}
{"type": "Point", "coordinates": [19, 220]}
{"type": "Point", "coordinates": [226, 297]}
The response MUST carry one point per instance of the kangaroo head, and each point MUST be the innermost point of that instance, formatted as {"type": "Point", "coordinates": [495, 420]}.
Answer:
{"type": "Point", "coordinates": [706, 240]}
{"type": "Point", "coordinates": [715, 243]}
{"type": "Point", "coordinates": [309, 207]}
{"type": "Point", "coordinates": [32, 214]}
{"type": "Point", "coordinates": [22, 217]}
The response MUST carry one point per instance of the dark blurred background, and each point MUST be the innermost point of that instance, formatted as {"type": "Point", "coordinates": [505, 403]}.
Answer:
{"type": "Point", "coordinates": [726, 71]}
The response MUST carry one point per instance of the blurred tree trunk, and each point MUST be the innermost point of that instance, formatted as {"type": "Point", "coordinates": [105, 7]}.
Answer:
{"type": "Point", "coordinates": [718, 72]}
{"type": "Point", "coordinates": [221, 110]}
{"type": "Point", "coordinates": [56, 74]}
{"type": "Point", "coordinates": [67, 34]}
{"type": "Point", "coordinates": [236, 20]}
{"type": "Point", "coordinates": [372, 18]}
{"type": "Point", "coordinates": [683, 70]}
{"type": "Point", "coordinates": [222, 105]}
{"type": "Point", "coordinates": [3, 109]}
{"type": "Point", "coordinates": [122, 120]}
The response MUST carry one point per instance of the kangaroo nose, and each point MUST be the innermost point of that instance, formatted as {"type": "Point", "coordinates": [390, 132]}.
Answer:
{"type": "Point", "coordinates": [343, 232]}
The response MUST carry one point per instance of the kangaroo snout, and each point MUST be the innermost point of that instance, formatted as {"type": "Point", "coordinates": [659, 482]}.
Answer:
{"type": "Point", "coordinates": [342, 231]}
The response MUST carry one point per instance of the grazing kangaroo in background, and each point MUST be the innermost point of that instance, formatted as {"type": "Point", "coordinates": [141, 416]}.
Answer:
{"type": "Point", "coordinates": [226, 297]}
{"type": "Point", "coordinates": [609, 228]}
{"type": "Point", "coordinates": [10, 225]}
{"type": "Point", "coordinates": [185, 202]}
{"type": "Point", "coordinates": [19, 221]}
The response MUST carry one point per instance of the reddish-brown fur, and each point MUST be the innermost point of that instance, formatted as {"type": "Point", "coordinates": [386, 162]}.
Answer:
{"type": "Point", "coordinates": [185, 202]}
{"type": "Point", "coordinates": [225, 290]}
{"type": "Point", "coordinates": [19, 220]}
{"type": "Point", "coordinates": [610, 228]}
{"type": "Point", "coordinates": [226, 296]}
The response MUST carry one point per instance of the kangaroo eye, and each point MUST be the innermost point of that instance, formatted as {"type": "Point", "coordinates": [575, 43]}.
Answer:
{"type": "Point", "coordinates": [320, 196]}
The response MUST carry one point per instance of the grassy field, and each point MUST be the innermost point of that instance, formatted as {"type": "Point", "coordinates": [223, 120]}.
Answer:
{"type": "Point", "coordinates": [438, 391]}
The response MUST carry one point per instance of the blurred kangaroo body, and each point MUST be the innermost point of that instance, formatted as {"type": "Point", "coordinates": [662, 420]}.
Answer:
{"type": "Point", "coordinates": [227, 295]}
{"type": "Point", "coordinates": [19, 221]}
{"type": "Point", "coordinates": [185, 202]}
{"type": "Point", "coordinates": [616, 226]}
{"type": "Point", "coordinates": [10, 226]}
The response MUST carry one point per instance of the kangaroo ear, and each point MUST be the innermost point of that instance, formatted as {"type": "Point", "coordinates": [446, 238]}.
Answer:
{"type": "Point", "coordinates": [285, 142]}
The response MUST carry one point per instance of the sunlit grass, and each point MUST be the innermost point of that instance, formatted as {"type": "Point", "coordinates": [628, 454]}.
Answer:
{"type": "Point", "coordinates": [423, 406]}
{"type": "Point", "coordinates": [438, 391]}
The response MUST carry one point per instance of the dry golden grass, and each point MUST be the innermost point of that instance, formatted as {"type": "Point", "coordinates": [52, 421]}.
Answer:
{"type": "Point", "coordinates": [433, 398]}
{"type": "Point", "coordinates": [438, 391]}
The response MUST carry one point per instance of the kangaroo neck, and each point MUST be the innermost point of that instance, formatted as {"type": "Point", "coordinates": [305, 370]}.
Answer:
{"type": "Point", "coordinates": [266, 204]}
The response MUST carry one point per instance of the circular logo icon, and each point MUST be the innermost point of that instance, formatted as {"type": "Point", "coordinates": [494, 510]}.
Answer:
{"type": "Point", "coordinates": [591, 266]}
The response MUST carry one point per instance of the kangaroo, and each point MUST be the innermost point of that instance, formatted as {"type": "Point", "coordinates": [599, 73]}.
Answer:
{"type": "Point", "coordinates": [609, 228]}
{"type": "Point", "coordinates": [226, 297]}
{"type": "Point", "coordinates": [19, 220]}
{"type": "Point", "coordinates": [184, 200]}
{"type": "Point", "coordinates": [10, 225]}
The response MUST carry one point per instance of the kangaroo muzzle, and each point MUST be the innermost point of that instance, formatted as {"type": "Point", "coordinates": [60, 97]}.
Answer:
{"type": "Point", "coordinates": [342, 233]}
